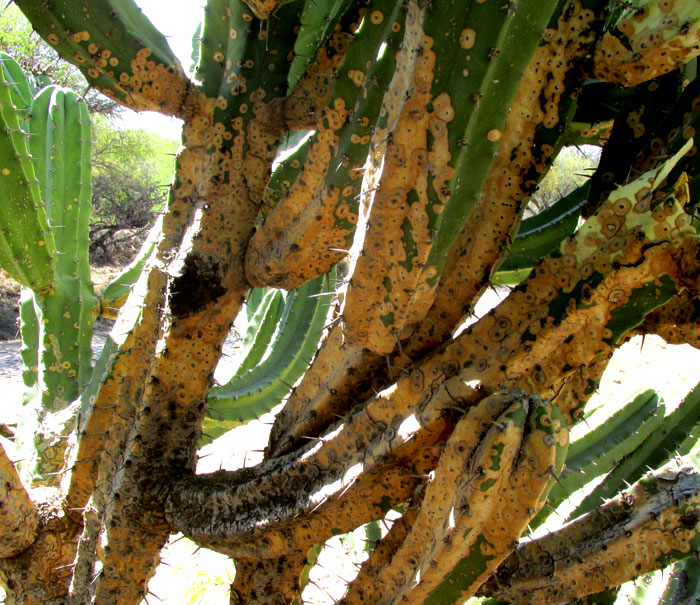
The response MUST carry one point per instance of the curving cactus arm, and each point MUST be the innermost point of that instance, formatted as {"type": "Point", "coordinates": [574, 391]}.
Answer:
{"type": "Point", "coordinates": [640, 530]}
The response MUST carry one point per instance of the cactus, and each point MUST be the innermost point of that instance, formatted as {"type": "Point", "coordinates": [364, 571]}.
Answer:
{"type": "Point", "coordinates": [610, 439]}
{"type": "Point", "coordinates": [115, 294]}
{"type": "Point", "coordinates": [652, 452]}
{"type": "Point", "coordinates": [397, 144]}
{"type": "Point", "coordinates": [539, 235]}
{"type": "Point", "coordinates": [260, 384]}
{"type": "Point", "coordinates": [26, 249]}
{"type": "Point", "coordinates": [53, 129]}
{"type": "Point", "coordinates": [660, 503]}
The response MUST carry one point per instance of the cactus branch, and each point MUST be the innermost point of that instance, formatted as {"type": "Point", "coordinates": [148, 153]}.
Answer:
{"type": "Point", "coordinates": [20, 519]}
{"type": "Point", "coordinates": [641, 529]}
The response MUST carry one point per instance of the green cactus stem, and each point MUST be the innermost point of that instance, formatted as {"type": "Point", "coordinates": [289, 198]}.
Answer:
{"type": "Point", "coordinates": [539, 235]}
{"type": "Point", "coordinates": [254, 391]}
{"type": "Point", "coordinates": [262, 326]}
{"type": "Point", "coordinates": [610, 439]}
{"type": "Point", "coordinates": [27, 251]}
{"type": "Point", "coordinates": [684, 583]}
{"type": "Point", "coordinates": [669, 440]}
{"type": "Point", "coordinates": [60, 146]}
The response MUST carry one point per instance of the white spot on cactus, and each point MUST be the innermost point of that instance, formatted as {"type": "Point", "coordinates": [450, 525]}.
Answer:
{"type": "Point", "coordinates": [408, 427]}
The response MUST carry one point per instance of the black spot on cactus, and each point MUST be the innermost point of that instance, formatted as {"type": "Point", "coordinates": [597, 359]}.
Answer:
{"type": "Point", "coordinates": [198, 286]}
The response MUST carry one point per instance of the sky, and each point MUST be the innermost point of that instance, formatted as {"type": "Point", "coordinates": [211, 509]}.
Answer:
{"type": "Point", "coordinates": [177, 20]}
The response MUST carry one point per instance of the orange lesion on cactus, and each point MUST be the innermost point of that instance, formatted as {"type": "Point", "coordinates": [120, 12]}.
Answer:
{"type": "Point", "coordinates": [656, 39]}
{"type": "Point", "coordinates": [467, 38]}
{"type": "Point", "coordinates": [494, 218]}
{"type": "Point", "coordinates": [390, 285]}
{"type": "Point", "coordinates": [264, 9]}
{"type": "Point", "coordinates": [523, 343]}
{"type": "Point", "coordinates": [495, 468]}
{"type": "Point", "coordinates": [19, 524]}
{"type": "Point", "coordinates": [263, 134]}
{"type": "Point", "coordinates": [540, 347]}
{"type": "Point", "coordinates": [41, 571]}
{"type": "Point", "coordinates": [303, 107]}
{"type": "Point", "coordinates": [302, 232]}
{"type": "Point", "coordinates": [210, 219]}
{"type": "Point", "coordinates": [145, 85]}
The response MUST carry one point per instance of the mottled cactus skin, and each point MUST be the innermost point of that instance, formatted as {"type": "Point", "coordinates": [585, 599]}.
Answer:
{"type": "Point", "coordinates": [429, 123]}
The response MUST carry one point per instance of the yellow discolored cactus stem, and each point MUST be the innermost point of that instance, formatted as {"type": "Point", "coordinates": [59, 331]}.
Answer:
{"type": "Point", "coordinates": [365, 588]}
{"type": "Point", "coordinates": [303, 107]}
{"type": "Point", "coordinates": [495, 472]}
{"type": "Point", "coordinates": [108, 412]}
{"type": "Point", "coordinates": [642, 529]}
{"type": "Point", "coordinates": [312, 227]}
{"type": "Point", "coordinates": [654, 38]}
{"type": "Point", "coordinates": [268, 582]}
{"type": "Point", "coordinates": [533, 123]}
{"type": "Point", "coordinates": [41, 571]}
{"type": "Point", "coordinates": [336, 376]}
{"type": "Point", "coordinates": [20, 520]}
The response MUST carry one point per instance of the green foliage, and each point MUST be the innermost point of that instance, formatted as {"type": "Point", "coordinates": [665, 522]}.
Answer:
{"type": "Point", "coordinates": [131, 170]}
{"type": "Point", "coordinates": [571, 169]}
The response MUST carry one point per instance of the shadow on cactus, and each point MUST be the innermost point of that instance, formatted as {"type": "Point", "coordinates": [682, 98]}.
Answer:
{"type": "Point", "coordinates": [430, 125]}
